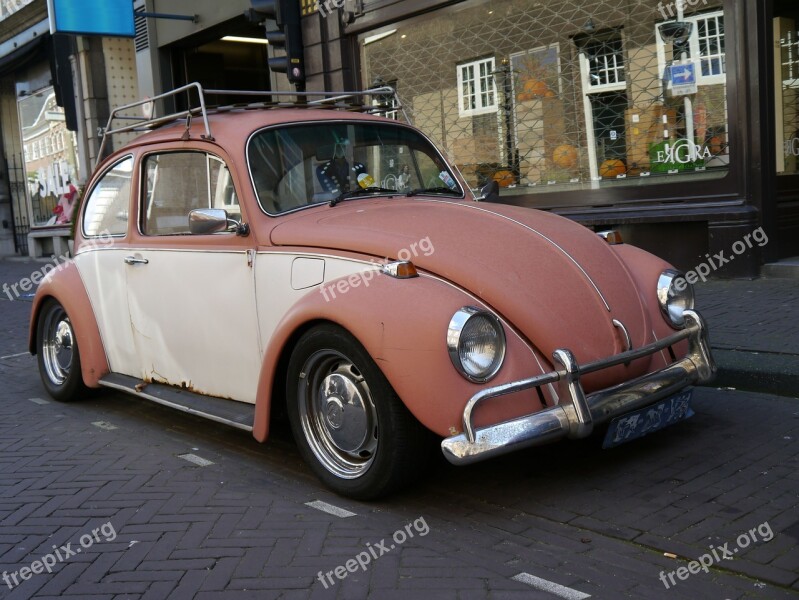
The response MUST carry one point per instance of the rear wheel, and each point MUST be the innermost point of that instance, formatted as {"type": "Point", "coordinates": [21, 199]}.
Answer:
{"type": "Point", "coordinates": [350, 426]}
{"type": "Point", "coordinates": [57, 353]}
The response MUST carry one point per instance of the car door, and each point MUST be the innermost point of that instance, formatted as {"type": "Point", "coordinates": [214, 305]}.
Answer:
{"type": "Point", "coordinates": [100, 262]}
{"type": "Point", "coordinates": [192, 297]}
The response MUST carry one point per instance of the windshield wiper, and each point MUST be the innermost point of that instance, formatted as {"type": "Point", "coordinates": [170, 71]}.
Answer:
{"type": "Point", "coordinates": [354, 193]}
{"type": "Point", "coordinates": [433, 190]}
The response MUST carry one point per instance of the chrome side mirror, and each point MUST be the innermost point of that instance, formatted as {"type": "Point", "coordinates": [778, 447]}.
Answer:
{"type": "Point", "coordinates": [489, 192]}
{"type": "Point", "coordinates": [206, 221]}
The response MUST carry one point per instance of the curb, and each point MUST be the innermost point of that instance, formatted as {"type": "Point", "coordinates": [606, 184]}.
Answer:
{"type": "Point", "coordinates": [763, 372]}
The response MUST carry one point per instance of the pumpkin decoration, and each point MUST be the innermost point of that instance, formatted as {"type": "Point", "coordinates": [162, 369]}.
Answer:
{"type": "Point", "coordinates": [532, 89]}
{"type": "Point", "coordinates": [504, 178]}
{"type": "Point", "coordinates": [716, 145]}
{"type": "Point", "coordinates": [565, 156]}
{"type": "Point", "coordinates": [612, 167]}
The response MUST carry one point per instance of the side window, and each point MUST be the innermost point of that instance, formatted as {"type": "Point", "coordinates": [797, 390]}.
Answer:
{"type": "Point", "coordinates": [177, 183]}
{"type": "Point", "coordinates": [108, 205]}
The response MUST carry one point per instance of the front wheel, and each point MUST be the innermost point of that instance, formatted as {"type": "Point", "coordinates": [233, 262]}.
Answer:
{"type": "Point", "coordinates": [57, 353]}
{"type": "Point", "coordinates": [350, 426]}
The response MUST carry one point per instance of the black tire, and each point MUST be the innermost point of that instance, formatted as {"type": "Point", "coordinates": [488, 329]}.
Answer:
{"type": "Point", "coordinates": [365, 443]}
{"type": "Point", "coordinates": [57, 353]}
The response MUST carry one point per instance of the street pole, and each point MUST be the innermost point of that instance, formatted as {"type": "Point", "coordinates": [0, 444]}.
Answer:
{"type": "Point", "coordinates": [689, 105]}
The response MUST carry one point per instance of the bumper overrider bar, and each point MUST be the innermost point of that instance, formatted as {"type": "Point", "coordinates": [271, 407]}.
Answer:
{"type": "Point", "coordinates": [576, 414]}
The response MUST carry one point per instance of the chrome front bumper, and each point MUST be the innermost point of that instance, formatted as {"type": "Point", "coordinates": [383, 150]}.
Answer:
{"type": "Point", "coordinates": [577, 414]}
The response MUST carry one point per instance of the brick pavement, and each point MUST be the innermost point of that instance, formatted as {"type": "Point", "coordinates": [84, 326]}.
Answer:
{"type": "Point", "coordinates": [598, 522]}
{"type": "Point", "coordinates": [758, 316]}
{"type": "Point", "coordinates": [754, 331]}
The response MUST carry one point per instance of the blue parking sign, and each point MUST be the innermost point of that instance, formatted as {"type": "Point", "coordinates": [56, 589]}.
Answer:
{"type": "Point", "coordinates": [683, 78]}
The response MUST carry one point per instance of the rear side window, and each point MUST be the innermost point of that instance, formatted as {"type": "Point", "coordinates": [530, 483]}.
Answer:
{"type": "Point", "coordinates": [177, 183]}
{"type": "Point", "coordinates": [108, 205]}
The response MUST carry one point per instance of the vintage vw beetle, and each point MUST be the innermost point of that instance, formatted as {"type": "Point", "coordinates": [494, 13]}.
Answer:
{"type": "Point", "coordinates": [331, 262]}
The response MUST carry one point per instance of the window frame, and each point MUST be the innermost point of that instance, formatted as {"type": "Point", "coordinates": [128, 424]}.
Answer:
{"type": "Point", "coordinates": [480, 109]}
{"type": "Point", "coordinates": [586, 61]}
{"type": "Point", "coordinates": [143, 196]}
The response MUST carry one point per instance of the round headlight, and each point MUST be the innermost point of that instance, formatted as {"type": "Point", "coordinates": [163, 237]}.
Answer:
{"type": "Point", "coordinates": [676, 296]}
{"type": "Point", "coordinates": [476, 343]}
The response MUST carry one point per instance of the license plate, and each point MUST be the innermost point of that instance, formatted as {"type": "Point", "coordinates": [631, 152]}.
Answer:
{"type": "Point", "coordinates": [644, 421]}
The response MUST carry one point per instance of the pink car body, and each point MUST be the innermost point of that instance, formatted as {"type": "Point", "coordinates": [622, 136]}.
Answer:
{"type": "Point", "coordinates": [212, 322]}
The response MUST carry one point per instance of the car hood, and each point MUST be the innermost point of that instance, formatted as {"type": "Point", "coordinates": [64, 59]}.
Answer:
{"type": "Point", "coordinates": [554, 280]}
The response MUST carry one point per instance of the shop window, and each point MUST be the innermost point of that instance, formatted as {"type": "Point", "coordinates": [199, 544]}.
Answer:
{"type": "Point", "coordinates": [556, 104]}
{"type": "Point", "coordinates": [50, 170]}
{"type": "Point", "coordinates": [477, 87]}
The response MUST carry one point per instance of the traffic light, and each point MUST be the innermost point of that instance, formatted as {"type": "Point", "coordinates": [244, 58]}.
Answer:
{"type": "Point", "coordinates": [288, 36]}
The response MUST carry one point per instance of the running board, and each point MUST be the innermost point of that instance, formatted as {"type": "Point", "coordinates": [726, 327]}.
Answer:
{"type": "Point", "coordinates": [230, 412]}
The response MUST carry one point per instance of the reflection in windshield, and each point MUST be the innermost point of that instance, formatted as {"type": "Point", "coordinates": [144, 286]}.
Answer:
{"type": "Point", "coordinates": [297, 166]}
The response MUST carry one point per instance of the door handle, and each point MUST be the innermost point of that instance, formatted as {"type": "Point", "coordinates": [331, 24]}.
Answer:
{"type": "Point", "coordinates": [132, 260]}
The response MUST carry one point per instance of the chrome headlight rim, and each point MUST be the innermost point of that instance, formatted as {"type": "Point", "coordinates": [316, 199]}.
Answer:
{"type": "Point", "coordinates": [454, 331]}
{"type": "Point", "coordinates": [668, 295]}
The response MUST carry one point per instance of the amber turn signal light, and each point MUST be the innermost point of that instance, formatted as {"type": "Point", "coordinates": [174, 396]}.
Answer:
{"type": "Point", "coordinates": [400, 269]}
{"type": "Point", "coordinates": [611, 236]}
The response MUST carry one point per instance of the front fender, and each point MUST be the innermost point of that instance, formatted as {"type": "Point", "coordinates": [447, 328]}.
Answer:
{"type": "Point", "coordinates": [402, 323]}
{"type": "Point", "coordinates": [64, 284]}
{"type": "Point", "coordinates": [645, 269]}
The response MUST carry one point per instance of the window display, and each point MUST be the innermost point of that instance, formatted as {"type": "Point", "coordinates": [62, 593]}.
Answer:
{"type": "Point", "coordinates": [50, 154]}
{"type": "Point", "coordinates": [575, 96]}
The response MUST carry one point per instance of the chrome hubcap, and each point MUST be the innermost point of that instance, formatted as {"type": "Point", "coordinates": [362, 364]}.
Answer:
{"type": "Point", "coordinates": [57, 346]}
{"type": "Point", "coordinates": [337, 414]}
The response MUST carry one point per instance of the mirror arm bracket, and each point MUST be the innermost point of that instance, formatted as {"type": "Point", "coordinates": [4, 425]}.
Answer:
{"type": "Point", "coordinates": [242, 229]}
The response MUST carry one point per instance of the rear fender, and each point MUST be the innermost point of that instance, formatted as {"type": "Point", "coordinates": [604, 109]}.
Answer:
{"type": "Point", "coordinates": [64, 284]}
{"type": "Point", "coordinates": [403, 326]}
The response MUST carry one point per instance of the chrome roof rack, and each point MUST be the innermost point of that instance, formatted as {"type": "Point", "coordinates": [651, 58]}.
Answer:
{"type": "Point", "coordinates": [384, 100]}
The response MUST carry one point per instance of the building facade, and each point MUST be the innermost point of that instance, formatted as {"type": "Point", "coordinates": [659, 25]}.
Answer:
{"type": "Point", "coordinates": [55, 92]}
{"type": "Point", "coordinates": [675, 122]}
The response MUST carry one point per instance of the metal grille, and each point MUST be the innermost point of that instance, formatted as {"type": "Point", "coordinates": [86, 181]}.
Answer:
{"type": "Point", "coordinates": [19, 208]}
{"type": "Point", "coordinates": [581, 94]}
{"type": "Point", "coordinates": [141, 41]}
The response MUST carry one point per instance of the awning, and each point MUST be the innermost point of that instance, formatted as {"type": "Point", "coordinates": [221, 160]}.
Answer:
{"type": "Point", "coordinates": [35, 49]}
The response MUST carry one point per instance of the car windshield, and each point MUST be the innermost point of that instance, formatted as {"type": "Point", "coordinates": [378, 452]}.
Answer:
{"type": "Point", "coordinates": [301, 165]}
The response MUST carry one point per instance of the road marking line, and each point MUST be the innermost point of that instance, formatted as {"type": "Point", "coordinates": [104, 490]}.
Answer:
{"type": "Point", "coordinates": [38, 401]}
{"type": "Point", "coordinates": [14, 355]}
{"type": "Point", "coordinates": [197, 460]}
{"type": "Point", "coordinates": [550, 586]}
{"type": "Point", "coordinates": [105, 425]}
{"type": "Point", "coordinates": [330, 509]}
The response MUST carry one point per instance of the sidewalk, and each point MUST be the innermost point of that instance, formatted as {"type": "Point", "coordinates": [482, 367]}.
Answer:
{"type": "Point", "coordinates": [754, 333]}
{"type": "Point", "coordinates": [754, 328]}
